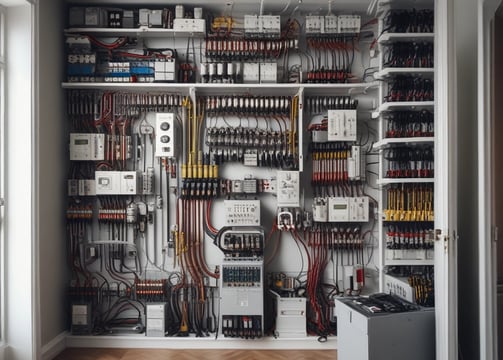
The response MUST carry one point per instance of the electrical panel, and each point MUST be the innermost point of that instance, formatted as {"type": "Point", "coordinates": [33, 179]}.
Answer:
{"type": "Point", "coordinates": [165, 71]}
{"type": "Point", "coordinates": [117, 183]}
{"type": "Point", "coordinates": [155, 319]}
{"type": "Point", "coordinates": [341, 125]}
{"type": "Point", "coordinates": [291, 317]}
{"type": "Point", "coordinates": [268, 26]}
{"type": "Point", "coordinates": [164, 135]}
{"type": "Point", "coordinates": [87, 147]}
{"type": "Point", "coordinates": [288, 188]}
{"type": "Point", "coordinates": [81, 319]}
{"type": "Point", "coordinates": [191, 25]}
{"type": "Point", "coordinates": [232, 173]}
{"type": "Point", "coordinates": [338, 209]}
{"type": "Point", "coordinates": [344, 209]}
{"type": "Point", "coordinates": [81, 187]}
{"type": "Point", "coordinates": [242, 299]}
{"type": "Point", "coordinates": [356, 169]}
{"type": "Point", "coordinates": [242, 212]}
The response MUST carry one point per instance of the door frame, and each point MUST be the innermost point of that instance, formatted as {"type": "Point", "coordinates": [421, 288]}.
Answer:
{"type": "Point", "coordinates": [487, 236]}
{"type": "Point", "coordinates": [446, 305]}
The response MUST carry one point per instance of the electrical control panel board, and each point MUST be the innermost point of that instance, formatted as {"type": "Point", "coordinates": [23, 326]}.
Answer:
{"type": "Point", "coordinates": [230, 166]}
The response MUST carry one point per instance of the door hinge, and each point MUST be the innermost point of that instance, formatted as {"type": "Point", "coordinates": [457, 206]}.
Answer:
{"type": "Point", "coordinates": [495, 233]}
{"type": "Point", "coordinates": [2, 202]}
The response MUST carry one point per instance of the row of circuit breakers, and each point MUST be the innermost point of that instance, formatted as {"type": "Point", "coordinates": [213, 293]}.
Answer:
{"type": "Point", "coordinates": [95, 147]}
{"type": "Point", "coordinates": [250, 57]}
{"type": "Point", "coordinates": [258, 26]}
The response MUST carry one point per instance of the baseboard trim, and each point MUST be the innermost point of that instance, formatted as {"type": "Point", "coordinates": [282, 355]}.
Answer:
{"type": "Point", "coordinates": [3, 351]}
{"type": "Point", "coordinates": [55, 346]}
{"type": "Point", "coordinates": [140, 341]}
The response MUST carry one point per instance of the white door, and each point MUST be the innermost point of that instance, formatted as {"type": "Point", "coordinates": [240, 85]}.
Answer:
{"type": "Point", "coordinates": [445, 184]}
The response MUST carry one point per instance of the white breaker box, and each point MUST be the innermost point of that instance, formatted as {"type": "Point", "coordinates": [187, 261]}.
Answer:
{"type": "Point", "coordinates": [164, 135]}
{"type": "Point", "coordinates": [190, 25]}
{"type": "Point", "coordinates": [87, 147]}
{"type": "Point", "coordinates": [268, 73]}
{"type": "Point", "coordinates": [117, 182]}
{"type": "Point", "coordinates": [155, 319]}
{"type": "Point", "coordinates": [242, 212]}
{"type": "Point", "coordinates": [341, 209]}
{"type": "Point", "coordinates": [81, 187]}
{"type": "Point", "coordinates": [320, 209]}
{"type": "Point", "coordinates": [150, 18]}
{"type": "Point", "coordinates": [319, 25]}
{"type": "Point", "coordinates": [290, 316]}
{"type": "Point", "coordinates": [81, 319]}
{"type": "Point", "coordinates": [268, 26]}
{"type": "Point", "coordinates": [241, 289]}
{"type": "Point", "coordinates": [165, 70]}
{"type": "Point", "coordinates": [330, 24]}
{"type": "Point", "coordinates": [341, 125]}
{"type": "Point", "coordinates": [356, 167]}
{"type": "Point", "coordinates": [348, 24]}
{"type": "Point", "coordinates": [254, 73]}
{"type": "Point", "coordinates": [288, 189]}
{"type": "Point", "coordinates": [238, 295]}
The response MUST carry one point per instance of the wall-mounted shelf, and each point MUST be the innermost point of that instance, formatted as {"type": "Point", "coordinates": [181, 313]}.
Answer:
{"type": "Point", "coordinates": [136, 32]}
{"type": "Point", "coordinates": [340, 89]}
{"type": "Point", "coordinates": [409, 262]}
{"type": "Point", "coordinates": [403, 105]}
{"type": "Point", "coordinates": [218, 88]}
{"type": "Point", "coordinates": [405, 140]}
{"type": "Point", "coordinates": [172, 88]}
{"type": "Point", "coordinates": [386, 181]}
{"type": "Point", "coordinates": [394, 71]}
{"type": "Point", "coordinates": [390, 37]}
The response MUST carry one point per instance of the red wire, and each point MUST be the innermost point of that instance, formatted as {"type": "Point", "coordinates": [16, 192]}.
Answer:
{"type": "Point", "coordinates": [208, 219]}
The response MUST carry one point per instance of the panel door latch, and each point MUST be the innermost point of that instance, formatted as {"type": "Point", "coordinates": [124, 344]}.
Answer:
{"type": "Point", "coordinates": [438, 236]}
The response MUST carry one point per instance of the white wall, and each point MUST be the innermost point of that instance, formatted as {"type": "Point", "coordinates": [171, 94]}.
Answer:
{"type": "Point", "coordinates": [18, 199]}
{"type": "Point", "coordinates": [51, 162]}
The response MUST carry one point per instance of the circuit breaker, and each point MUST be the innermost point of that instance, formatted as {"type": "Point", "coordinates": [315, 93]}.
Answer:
{"type": "Point", "coordinates": [341, 125]}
